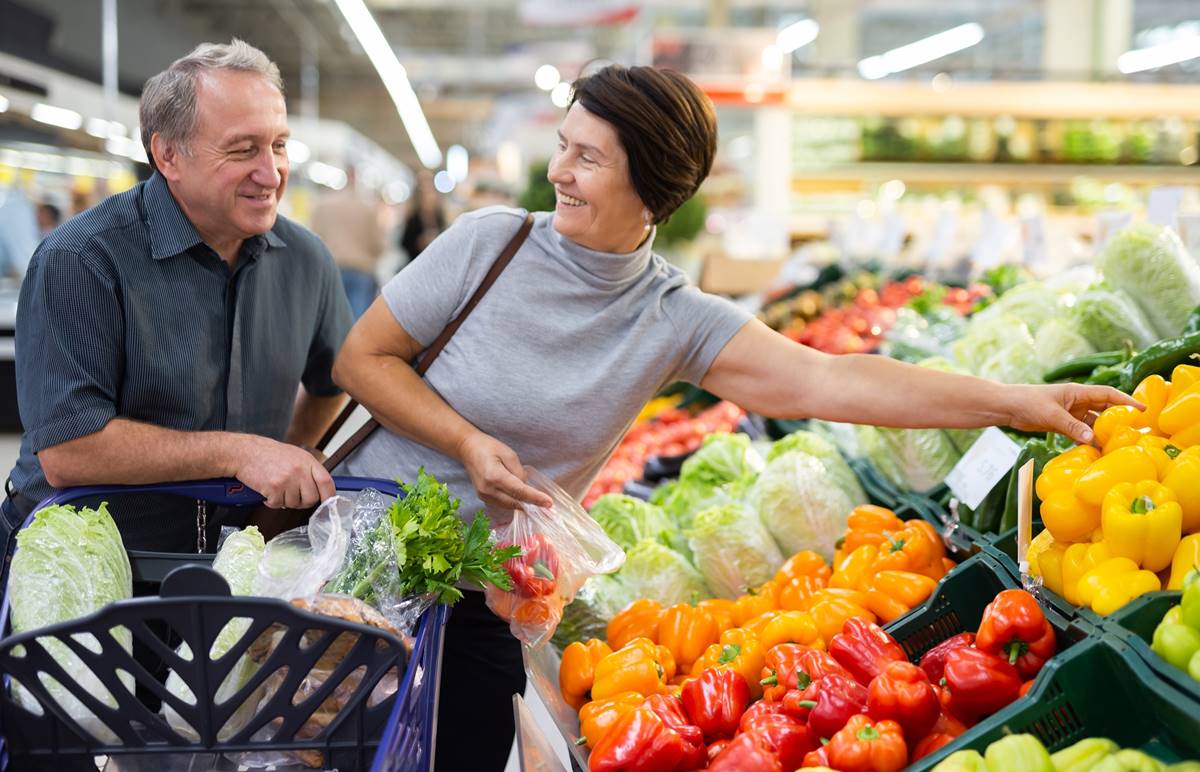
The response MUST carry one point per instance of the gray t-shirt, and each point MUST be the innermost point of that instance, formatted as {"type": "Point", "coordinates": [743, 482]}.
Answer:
{"type": "Point", "coordinates": [560, 355]}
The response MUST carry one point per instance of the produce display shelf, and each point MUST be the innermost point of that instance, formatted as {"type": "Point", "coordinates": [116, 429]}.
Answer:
{"type": "Point", "coordinates": [1134, 623]}
{"type": "Point", "coordinates": [395, 732]}
{"type": "Point", "coordinates": [1097, 688]}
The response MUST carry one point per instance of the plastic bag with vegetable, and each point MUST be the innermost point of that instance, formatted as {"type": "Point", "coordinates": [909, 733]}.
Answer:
{"type": "Point", "coordinates": [656, 571]}
{"type": "Point", "coordinates": [801, 504]}
{"type": "Point", "coordinates": [1151, 264]}
{"type": "Point", "coordinates": [1109, 317]}
{"type": "Point", "coordinates": [69, 563]}
{"type": "Point", "coordinates": [237, 562]}
{"type": "Point", "coordinates": [732, 549]}
{"type": "Point", "coordinates": [560, 549]}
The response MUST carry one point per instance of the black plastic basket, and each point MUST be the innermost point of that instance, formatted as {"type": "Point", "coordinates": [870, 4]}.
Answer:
{"type": "Point", "coordinates": [315, 688]}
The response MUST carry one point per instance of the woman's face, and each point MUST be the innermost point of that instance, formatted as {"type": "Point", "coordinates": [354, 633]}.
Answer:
{"type": "Point", "coordinates": [597, 206]}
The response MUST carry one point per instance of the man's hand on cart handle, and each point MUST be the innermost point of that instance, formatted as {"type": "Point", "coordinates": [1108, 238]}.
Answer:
{"type": "Point", "coordinates": [497, 473]}
{"type": "Point", "coordinates": [286, 475]}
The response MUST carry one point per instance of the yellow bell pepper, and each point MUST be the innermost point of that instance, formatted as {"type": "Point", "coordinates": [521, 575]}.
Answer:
{"type": "Point", "coordinates": [1050, 566]}
{"type": "Point", "coordinates": [1182, 379]}
{"type": "Point", "coordinates": [1077, 560]}
{"type": "Point", "coordinates": [855, 570]}
{"type": "Point", "coordinates": [1152, 392]}
{"type": "Point", "coordinates": [1122, 438]}
{"type": "Point", "coordinates": [895, 593]}
{"type": "Point", "coordinates": [1187, 558]}
{"type": "Point", "coordinates": [1062, 470]}
{"type": "Point", "coordinates": [791, 627]}
{"type": "Point", "coordinates": [1113, 583]}
{"type": "Point", "coordinates": [1187, 438]}
{"type": "Point", "coordinates": [1131, 464]}
{"type": "Point", "coordinates": [578, 670]}
{"type": "Point", "coordinates": [737, 650]}
{"type": "Point", "coordinates": [1181, 412]}
{"type": "Point", "coordinates": [1037, 545]}
{"type": "Point", "coordinates": [1141, 521]}
{"type": "Point", "coordinates": [1162, 451]}
{"type": "Point", "coordinates": [760, 622]}
{"type": "Point", "coordinates": [1183, 477]}
{"type": "Point", "coordinates": [633, 668]}
{"type": "Point", "coordinates": [1113, 419]}
{"type": "Point", "coordinates": [1067, 518]}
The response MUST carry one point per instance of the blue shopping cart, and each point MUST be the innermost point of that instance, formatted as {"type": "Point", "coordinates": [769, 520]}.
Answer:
{"type": "Point", "coordinates": [351, 717]}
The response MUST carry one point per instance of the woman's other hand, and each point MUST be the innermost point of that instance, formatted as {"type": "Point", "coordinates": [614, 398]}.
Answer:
{"type": "Point", "coordinates": [1062, 408]}
{"type": "Point", "coordinates": [497, 473]}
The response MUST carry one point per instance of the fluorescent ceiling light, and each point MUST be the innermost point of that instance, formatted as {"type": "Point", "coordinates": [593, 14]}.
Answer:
{"type": "Point", "coordinates": [127, 148]}
{"type": "Point", "coordinates": [798, 35]}
{"type": "Point", "coordinates": [1151, 58]}
{"type": "Point", "coordinates": [98, 127]}
{"type": "Point", "coordinates": [560, 95]}
{"type": "Point", "coordinates": [395, 79]}
{"type": "Point", "coordinates": [56, 116]}
{"type": "Point", "coordinates": [443, 182]}
{"type": "Point", "coordinates": [457, 162]}
{"type": "Point", "coordinates": [297, 151]}
{"type": "Point", "coordinates": [327, 175]}
{"type": "Point", "coordinates": [3, 103]}
{"type": "Point", "coordinates": [546, 77]}
{"type": "Point", "coordinates": [921, 51]}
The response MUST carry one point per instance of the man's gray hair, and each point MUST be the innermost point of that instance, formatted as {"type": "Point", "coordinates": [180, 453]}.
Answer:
{"type": "Point", "coordinates": [168, 104]}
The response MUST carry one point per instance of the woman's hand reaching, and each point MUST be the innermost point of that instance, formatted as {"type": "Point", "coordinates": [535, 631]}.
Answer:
{"type": "Point", "coordinates": [1062, 408]}
{"type": "Point", "coordinates": [497, 473]}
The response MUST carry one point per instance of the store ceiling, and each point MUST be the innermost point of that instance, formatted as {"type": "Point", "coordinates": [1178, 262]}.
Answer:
{"type": "Point", "coordinates": [463, 55]}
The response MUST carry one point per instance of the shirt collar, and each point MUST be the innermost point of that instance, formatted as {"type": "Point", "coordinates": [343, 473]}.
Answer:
{"type": "Point", "coordinates": [172, 233]}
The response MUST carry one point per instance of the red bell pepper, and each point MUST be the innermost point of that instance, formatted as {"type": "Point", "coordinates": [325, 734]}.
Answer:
{"type": "Point", "coordinates": [1025, 687]}
{"type": "Point", "coordinates": [640, 741]}
{"type": "Point", "coordinates": [864, 648]}
{"type": "Point", "coordinates": [716, 701]}
{"type": "Point", "coordinates": [535, 571]}
{"type": "Point", "coordinates": [1015, 627]}
{"type": "Point", "coordinates": [787, 738]}
{"type": "Point", "coordinates": [865, 747]}
{"type": "Point", "coordinates": [715, 749]}
{"type": "Point", "coordinates": [902, 693]}
{"type": "Point", "coordinates": [745, 752]}
{"type": "Point", "coordinates": [933, 662]}
{"type": "Point", "coordinates": [947, 722]}
{"type": "Point", "coordinates": [817, 758]}
{"type": "Point", "coordinates": [931, 743]}
{"type": "Point", "coordinates": [669, 708]}
{"type": "Point", "coordinates": [979, 683]}
{"type": "Point", "coordinates": [793, 666]}
{"type": "Point", "coordinates": [756, 711]}
{"type": "Point", "coordinates": [827, 705]}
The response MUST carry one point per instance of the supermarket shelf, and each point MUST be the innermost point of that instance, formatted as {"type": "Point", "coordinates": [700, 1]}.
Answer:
{"type": "Point", "coordinates": [990, 173]}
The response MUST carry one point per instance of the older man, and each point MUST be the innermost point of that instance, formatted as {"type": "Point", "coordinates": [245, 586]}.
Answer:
{"type": "Point", "coordinates": [182, 329]}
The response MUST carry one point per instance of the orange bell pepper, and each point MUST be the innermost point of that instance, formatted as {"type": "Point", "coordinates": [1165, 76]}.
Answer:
{"type": "Point", "coordinates": [721, 610]}
{"type": "Point", "coordinates": [803, 563]}
{"type": "Point", "coordinates": [578, 670]}
{"type": "Point", "coordinates": [894, 593]}
{"type": "Point", "coordinates": [915, 547]}
{"type": "Point", "coordinates": [637, 620]}
{"type": "Point", "coordinates": [738, 650]}
{"type": "Point", "coordinates": [754, 603]}
{"type": "Point", "coordinates": [687, 631]}
{"type": "Point", "coordinates": [869, 524]}
{"type": "Point", "coordinates": [795, 592]}
{"type": "Point", "coordinates": [666, 661]}
{"type": "Point", "coordinates": [855, 568]}
{"type": "Point", "coordinates": [831, 613]}
{"type": "Point", "coordinates": [598, 716]}
{"type": "Point", "coordinates": [791, 627]}
{"type": "Point", "coordinates": [759, 623]}
{"type": "Point", "coordinates": [632, 668]}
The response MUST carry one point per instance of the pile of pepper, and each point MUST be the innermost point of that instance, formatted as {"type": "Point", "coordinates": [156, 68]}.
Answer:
{"type": "Point", "coordinates": [1026, 753]}
{"type": "Point", "coordinates": [853, 702]}
{"type": "Point", "coordinates": [1177, 636]}
{"type": "Point", "coordinates": [1124, 519]}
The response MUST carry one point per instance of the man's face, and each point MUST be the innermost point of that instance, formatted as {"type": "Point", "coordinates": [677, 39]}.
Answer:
{"type": "Point", "coordinates": [230, 177]}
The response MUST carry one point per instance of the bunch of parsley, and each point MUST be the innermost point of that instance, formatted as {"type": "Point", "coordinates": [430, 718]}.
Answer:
{"type": "Point", "coordinates": [433, 550]}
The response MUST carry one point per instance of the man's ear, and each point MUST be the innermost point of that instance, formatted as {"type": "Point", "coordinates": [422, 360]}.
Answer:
{"type": "Point", "coordinates": [166, 157]}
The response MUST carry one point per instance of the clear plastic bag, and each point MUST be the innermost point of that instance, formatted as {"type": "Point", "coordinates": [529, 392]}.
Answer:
{"type": "Point", "coordinates": [297, 563]}
{"type": "Point", "coordinates": [563, 546]}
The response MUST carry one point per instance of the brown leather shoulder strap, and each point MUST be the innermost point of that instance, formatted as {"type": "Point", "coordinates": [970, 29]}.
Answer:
{"type": "Point", "coordinates": [426, 358]}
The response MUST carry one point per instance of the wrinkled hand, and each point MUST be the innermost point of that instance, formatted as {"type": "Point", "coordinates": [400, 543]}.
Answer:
{"type": "Point", "coordinates": [286, 475]}
{"type": "Point", "coordinates": [497, 474]}
{"type": "Point", "coordinates": [1063, 408]}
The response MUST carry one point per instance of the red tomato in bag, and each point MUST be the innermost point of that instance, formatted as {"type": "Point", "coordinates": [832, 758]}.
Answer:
{"type": "Point", "coordinates": [535, 572]}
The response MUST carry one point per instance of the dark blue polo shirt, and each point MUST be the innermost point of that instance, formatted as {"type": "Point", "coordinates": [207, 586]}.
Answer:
{"type": "Point", "coordinates": [125, 311]}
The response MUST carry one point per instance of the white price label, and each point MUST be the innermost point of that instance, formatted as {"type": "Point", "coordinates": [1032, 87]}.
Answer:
{"type": "Point", "coordinates": [1163, 206]}
{"type": "Point", "coordinates": [982, 466]}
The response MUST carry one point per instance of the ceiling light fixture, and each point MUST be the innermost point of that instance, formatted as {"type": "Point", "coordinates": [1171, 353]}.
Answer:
{"type": "Point", "coordinates": [921, 51]}
{"type": "Point", "coordinates": [56, 116]}
{"type": "Point", "coordinates": [546, 77]}
{"type": "Point", "coordinates": [3, 103]}
{"type": "Point", "coordinates": [395, 79]}
{"type": "Point", "coordinates": [1141, 59]}
{"type": "Point", "coordinates": [560, 95]}
{"type": "Point", "coordinates": [457, 162]}
{"type": "Point", "coordinates": [798, 35]}
{"type": "Point", "coordinates": [298, 152]}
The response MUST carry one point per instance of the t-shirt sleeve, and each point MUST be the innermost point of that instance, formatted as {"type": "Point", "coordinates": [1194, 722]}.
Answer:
{"type": "Point", "coordinates": [69, 348]}
{"type": "Point", "coordinates": [426, 294]}
{"type": "Point", "coordinates": [705, 323]}
{"type": "Point", "coordinates": [333, 323]}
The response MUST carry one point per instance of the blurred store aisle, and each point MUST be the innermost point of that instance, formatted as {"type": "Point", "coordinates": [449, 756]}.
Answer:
{"type": "Point", "coordinates": [10, 448]}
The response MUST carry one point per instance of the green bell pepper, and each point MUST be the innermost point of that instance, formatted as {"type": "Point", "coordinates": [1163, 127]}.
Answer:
{"type": "Point", "coordinates": [1176, 643]}
{"type": "Point", "coordinates": [1193, 667]}
{"type": "Point", "coordinates": [1129, 761]}
{"type": "Point", "coordinates": [1084, 755]}
{"type": "Point", "coordinates": [962, 761]}
{"type": "Point", "coordinates": [1019, 751]}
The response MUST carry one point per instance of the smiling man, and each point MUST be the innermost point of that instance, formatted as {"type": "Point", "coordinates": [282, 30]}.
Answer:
{"type": "Point", "coordinates": [182, 329]}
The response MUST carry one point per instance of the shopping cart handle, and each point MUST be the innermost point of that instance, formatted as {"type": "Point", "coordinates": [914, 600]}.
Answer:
{"type": "Point", "coordinates": [224, 491]}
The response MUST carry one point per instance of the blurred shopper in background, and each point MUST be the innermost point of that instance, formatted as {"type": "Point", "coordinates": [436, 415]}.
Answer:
{"type": "Point", "coordinates": [182, 330]}
{"type": "Point", "coordinates": [19, 234]}
{"type": "Point", "coordinates": [49, 217]}
{"type": "Point", "coordinates": [426, 217]}
{"type": "Point", "coordinates": [349, 226]}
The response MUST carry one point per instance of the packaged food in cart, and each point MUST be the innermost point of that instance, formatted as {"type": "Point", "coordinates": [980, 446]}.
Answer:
{"type": "Point", "coordinates": [561, 547]}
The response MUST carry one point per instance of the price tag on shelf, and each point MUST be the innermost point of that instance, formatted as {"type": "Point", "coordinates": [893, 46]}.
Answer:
{"type": "Point", "coordinates": [1163, 206]}
{"type": "Point", "coordinates": [1033, 240]}
{"type": "Point", "coordinates": [1189, 231]}
{"type": "Point", "coordinates": [1107, 223]}
{"type": "Point", "coordinates": [982, 466]}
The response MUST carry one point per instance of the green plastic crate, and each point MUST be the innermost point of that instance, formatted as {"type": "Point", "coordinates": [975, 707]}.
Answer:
{"type": "Point", "coordinates": [1098, 688]}
{"type": "Point", "coordinates": [1004, 549]}
{"type": "Point", "coordinates": [957, 604]}
{"type": "Point", "coordinates": [1134, 625]}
